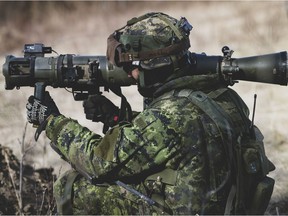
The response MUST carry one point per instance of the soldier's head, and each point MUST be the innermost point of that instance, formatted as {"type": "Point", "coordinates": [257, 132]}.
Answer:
{"type": "Point", "coordinates": [154, 44]}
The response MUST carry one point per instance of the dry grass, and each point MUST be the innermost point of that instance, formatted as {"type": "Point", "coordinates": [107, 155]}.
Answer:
{"type": "Point", "coordinates": [248, 27]}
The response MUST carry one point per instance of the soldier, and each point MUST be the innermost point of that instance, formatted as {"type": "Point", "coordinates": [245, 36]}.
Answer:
{"type": "Point", "coordinates": [191, 151]}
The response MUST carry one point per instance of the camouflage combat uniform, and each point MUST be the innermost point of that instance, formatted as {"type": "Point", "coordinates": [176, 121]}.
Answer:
{"type": "Point", "coordinates": [172, 152]}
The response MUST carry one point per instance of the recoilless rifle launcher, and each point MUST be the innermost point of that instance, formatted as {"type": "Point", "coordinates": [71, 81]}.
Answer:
{"type": "Point", "coordinates": [86, 74]}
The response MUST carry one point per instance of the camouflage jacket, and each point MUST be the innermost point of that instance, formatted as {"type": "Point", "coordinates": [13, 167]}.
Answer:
{"type": "Point", "coordinates": [173, 144]}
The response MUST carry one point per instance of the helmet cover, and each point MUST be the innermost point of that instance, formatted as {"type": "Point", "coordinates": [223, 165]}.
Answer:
{"type": "Point", "coordinates": [152, 35]}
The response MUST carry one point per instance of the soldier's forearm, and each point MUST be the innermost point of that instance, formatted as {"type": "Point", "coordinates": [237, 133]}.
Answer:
{"type": "Point", "coordinates": [89, 153]}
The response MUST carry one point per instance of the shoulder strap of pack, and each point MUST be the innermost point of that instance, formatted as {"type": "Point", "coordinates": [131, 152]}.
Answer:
{"type": "Point", "coordinates": [220, 118]}
{"type": "Point", "coordinates": [211, 108]}
{"type": "Point", "coordinates": [208, 106]}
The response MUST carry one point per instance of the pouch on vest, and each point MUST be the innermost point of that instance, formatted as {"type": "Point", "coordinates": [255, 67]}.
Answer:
{"type": "Point", "coordinates": [257, 186]}
{"type": "Point", "coordinates": [261, 196]}
{"type": "Point", "coordinates": [156, 185]}
{"type": "Point", "coordinates": [254, 158]}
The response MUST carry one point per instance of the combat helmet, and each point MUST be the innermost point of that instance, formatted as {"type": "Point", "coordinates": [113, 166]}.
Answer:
{"type": "Point", "coordinates": [153, 42]}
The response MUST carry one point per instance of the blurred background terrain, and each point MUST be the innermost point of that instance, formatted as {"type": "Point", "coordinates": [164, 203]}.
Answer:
{"type": "Point", "coordinates": [247, 27]}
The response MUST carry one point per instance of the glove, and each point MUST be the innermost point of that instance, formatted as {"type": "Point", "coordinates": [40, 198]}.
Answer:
{"type": "Point", "coordinates": [38, 111]}
{"type": "Point", "coordinates": [100, 109]}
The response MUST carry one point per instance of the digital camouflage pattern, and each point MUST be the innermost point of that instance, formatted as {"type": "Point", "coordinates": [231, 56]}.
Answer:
{"type": "Point", "coordinates": [152, 32]}
{"type": "Point", "coordinates": [150, 25]}
{"type": "Point", "coordinates": [172, 152]}
{"type": "Point", "coordinates": [150, 36]}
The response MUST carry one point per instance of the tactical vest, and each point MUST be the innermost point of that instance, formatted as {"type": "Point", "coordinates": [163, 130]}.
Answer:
{"type": "Point", "coordinates": [251, 188]}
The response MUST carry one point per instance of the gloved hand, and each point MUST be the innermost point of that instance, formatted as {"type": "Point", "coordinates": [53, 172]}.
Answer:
{"type": "Point", "coordinates": [100, 109]}
{"type": "Point", "coordinates": [38, 111]}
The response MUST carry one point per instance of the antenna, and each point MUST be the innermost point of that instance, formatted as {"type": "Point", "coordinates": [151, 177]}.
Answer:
{"type": "Point", "coordinates": [253, 113]}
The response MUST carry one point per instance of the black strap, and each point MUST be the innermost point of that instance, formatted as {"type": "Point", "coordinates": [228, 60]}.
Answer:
{"type": "Point", "coordinates": [39, 130]}
{"type": "Point", "coordinates": [125, 113]}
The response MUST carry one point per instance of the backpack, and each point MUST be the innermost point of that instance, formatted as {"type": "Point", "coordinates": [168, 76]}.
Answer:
{"type": "Point", "coordinates": [251, 188]}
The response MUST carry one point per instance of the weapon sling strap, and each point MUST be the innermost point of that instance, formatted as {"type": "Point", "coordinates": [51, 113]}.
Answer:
{"type": "Point", "coordinates": [219, 117]}
{"type": "Point", "coordinates": [125, 113]}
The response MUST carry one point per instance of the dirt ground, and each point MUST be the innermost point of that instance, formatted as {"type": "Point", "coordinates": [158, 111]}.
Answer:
{"type": "Point", "coordinates": [247, 27]}
{"type": "Point", "coordinates": [33, 195]}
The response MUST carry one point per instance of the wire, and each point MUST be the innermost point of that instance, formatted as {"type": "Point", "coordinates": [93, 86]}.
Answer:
{"type": "Point", "coordinates": [55, 52]}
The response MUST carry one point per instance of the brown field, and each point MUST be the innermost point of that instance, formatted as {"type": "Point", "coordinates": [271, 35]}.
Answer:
{"type": "Point", "coordinates": [247, 27]}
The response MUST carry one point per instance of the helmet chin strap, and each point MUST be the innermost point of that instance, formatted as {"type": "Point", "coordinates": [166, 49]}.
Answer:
{"type": "Point", "coordinates": [144, 89]}
{"type": "Point", "coordinates": [141, 81]}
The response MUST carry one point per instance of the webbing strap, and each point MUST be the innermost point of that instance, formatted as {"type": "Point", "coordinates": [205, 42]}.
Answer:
{"type": "Point", "coordinates": [125, 113]}
{"type": "Point", "coordinates": [216, 93]}
{"type": "Point", "coordinates": [218, 115]}
{"type": "Point", "coordinates": [173, 27]}
{"type": "Point", "coordinates": [229, 203]}
{"type": "Point", "coordinates": [211, 108]}
{"type": "Point", "coordinates": [140, 18]}
{"type": "Point", "coordinates": [64, 205]}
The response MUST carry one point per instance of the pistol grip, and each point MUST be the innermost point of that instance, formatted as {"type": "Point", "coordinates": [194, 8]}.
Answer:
{"type": "Point", "coordinates": [39, 92]}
